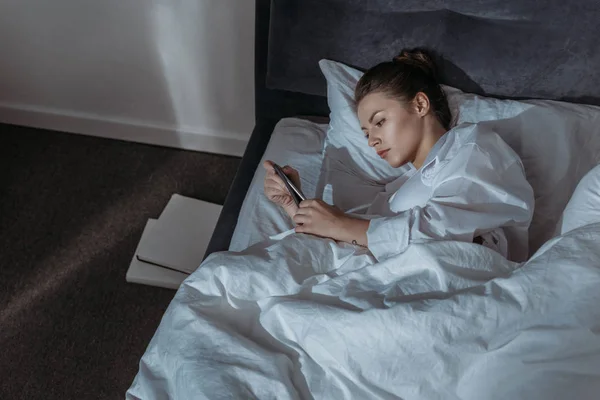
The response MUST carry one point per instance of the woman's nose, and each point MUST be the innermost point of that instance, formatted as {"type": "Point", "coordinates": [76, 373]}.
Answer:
{"type": "Point", "coordinates": [373, 141]}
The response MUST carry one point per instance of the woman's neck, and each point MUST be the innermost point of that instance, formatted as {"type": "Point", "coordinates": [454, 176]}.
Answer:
{"type": "Point", "coordinates": [432, 134]}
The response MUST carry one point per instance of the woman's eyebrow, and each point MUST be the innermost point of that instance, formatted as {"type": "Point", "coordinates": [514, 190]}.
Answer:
{"type": "Point", "coordinates": [373, 115]}
{"type": "Point", "coordinates": [371, 119]}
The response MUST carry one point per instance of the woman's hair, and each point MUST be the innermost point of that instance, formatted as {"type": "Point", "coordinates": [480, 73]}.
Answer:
{"type": "Point", "coordinates": [409, 73]}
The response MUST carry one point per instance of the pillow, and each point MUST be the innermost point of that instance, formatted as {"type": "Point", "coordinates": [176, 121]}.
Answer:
{"type": "Point", "coordinates": [353, 173]}
{"type": "Point", "coordinates": [296, 142]}
{"type": "Point", "coordinates": [584, 206]}
{"type": "Point", "coordinates": [557, 142]}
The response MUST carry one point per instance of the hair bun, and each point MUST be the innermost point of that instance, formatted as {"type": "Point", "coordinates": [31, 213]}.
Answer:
{"type": "Point", "coordinates": [417, 58]}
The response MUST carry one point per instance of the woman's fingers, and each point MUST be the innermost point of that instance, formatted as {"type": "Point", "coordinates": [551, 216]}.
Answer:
{"type": "Point", "coordinates": [304, 216]}
{"type": "Point", "coordinates": [268, 165]}
{"type": "Point", "coordinates": [270, 174]}
{"type": "Point", "coordinates": [310, 203]}
{"type": "Point", "coordinates": [293, 174]}
{"type": "Point", "coordinates": [306, 228]}
{"type": "Point", "coordinates": [301, 218]}
{"type": "Point", "coordinates": [275, 193]}
{"type": "Point", "coordinates": [304, 211]}
{"type": "Point", "coordinates": [301, 229]}
{"type": "Point", "coordinates": [289, 171]}
{"type": "Point", "coordinates": [276, 182]}
{"type": "Point", "coordinates": [275, 185]}
{"type": "Point", "coordinates": [271, 191]}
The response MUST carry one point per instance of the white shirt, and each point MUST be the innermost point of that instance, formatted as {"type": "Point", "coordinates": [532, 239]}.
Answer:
{"type": "Point", "coordinates": [472, 184]}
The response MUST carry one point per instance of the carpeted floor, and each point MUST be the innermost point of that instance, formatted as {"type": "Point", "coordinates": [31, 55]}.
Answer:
{"type": "Point", "coordinates": [72, 209]}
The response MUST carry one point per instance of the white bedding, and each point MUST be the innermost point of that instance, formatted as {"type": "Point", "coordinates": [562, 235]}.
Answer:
{"type": "Point", "coordinates": [296, 142]}
{"type": "Point", "coordinates": [304, 317]}
{"type": "Point", "coordinates": [301, 317]}
{"type": "Point", "coordinates": [558, 143]}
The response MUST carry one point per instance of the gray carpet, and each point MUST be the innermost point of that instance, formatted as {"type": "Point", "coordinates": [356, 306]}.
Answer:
{"type": "Point", "coordinates": [72, 209]}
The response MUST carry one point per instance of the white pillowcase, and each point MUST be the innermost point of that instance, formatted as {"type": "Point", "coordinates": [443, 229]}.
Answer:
{"type": "Point", "coordinates": [345, 139]}
{"type": "Point", "coordinates": [557, 142]}
{"type": "Point", "coordinates": [584, 206]}
{"type": "Point", "coordinates": [353, 173]}
{"type": "Point", "coordinates": [296, 142]}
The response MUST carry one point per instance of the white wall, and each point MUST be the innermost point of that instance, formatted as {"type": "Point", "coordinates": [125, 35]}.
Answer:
{"type": "Point", "coordinates": [171, 72]}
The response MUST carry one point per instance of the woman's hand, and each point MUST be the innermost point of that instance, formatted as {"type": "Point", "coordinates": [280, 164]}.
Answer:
{"type": "Point", "coordinates": [275, 189]}
{"type": "Point", "coordinates": [319, 218]}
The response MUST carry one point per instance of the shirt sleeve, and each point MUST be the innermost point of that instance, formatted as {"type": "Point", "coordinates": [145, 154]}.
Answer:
{"type": "Point", "coordinates": [472, 194]}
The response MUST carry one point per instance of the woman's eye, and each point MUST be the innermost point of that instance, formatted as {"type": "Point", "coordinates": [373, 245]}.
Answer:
{"type": "Point", "coordinates": [380, 123]}
{"type": "Point", "coordinates": [366, 136]}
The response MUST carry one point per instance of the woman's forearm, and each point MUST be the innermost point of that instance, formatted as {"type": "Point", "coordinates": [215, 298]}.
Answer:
{"type": "Point", "coordinates": [354, 230]}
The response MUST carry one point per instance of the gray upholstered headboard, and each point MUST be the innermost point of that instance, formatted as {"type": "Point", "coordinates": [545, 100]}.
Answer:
{"type": "Point", "coordinates": [507, 48]}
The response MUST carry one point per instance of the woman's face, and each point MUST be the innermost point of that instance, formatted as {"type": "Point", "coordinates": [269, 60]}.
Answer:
{"type": "Point", "coordinates": [391, 128]}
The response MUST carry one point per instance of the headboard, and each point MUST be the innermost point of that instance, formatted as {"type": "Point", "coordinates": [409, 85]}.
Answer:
{"type": "Point", "coordinates": [505, 48]}
{"type": "Point", "coordinates": [275, 102]}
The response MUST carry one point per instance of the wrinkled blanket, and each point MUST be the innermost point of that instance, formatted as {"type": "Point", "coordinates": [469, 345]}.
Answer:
{"type": "Point", "coordinates": [304, 317]}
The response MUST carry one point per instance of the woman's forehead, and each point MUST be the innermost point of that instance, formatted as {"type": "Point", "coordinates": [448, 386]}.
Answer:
{"type": "Point", "coordinates": [374, 102]}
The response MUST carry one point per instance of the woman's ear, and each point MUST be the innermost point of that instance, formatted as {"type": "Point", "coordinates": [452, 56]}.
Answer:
{"type": "Point", "coordinates": [421, 103]}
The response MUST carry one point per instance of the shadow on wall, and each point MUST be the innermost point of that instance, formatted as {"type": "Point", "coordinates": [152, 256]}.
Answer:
{"type": "Point", "coordinates": [173, 44]}
{"type": "Point", "coordinates": [204, 56]}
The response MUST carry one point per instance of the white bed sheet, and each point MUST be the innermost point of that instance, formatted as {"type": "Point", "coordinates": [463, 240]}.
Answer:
{"type": "Point", "coordinates": [296, 142]}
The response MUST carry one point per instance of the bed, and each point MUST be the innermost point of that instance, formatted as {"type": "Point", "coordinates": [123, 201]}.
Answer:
{"type": "Point", "coordinates": [456, 320]}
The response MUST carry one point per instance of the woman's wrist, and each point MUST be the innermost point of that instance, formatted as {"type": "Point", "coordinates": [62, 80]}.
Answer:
{"type": "Point", "coordinates": [354, 230]}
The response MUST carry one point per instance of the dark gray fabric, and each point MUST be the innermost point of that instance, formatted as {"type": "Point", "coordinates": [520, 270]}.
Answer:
{"type": "Point", "coordinates": [273, 103]}
{"type": "Point", "coordinates": [507, 48]}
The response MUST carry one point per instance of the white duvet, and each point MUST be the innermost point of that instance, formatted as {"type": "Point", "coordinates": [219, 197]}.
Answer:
{"type": "Point", "coordinates": [304, 317]}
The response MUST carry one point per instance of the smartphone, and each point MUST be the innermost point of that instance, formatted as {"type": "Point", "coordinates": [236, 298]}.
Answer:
{"type": "Point", "coordinates": [296, 194]}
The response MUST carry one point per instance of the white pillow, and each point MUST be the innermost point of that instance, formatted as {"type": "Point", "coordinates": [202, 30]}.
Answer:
{"type": "Point", "coordinates": [345, 139]}
{"type": "Point", "coordinates": [557, 142]}
{"type": "Point", "coordinates": [296, 142]}
{"type": "Point", "coordinates": [353, 173]}
{"type": "Point", "coordinates": [584, 206]}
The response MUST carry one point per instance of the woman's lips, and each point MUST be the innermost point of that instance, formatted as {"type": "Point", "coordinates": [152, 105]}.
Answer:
{"type": "Point", "coordinates": [383, 153]}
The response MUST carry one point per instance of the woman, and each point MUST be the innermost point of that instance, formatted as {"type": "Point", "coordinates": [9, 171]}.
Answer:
{"type": "Point", "coordinates": [462, 185]}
